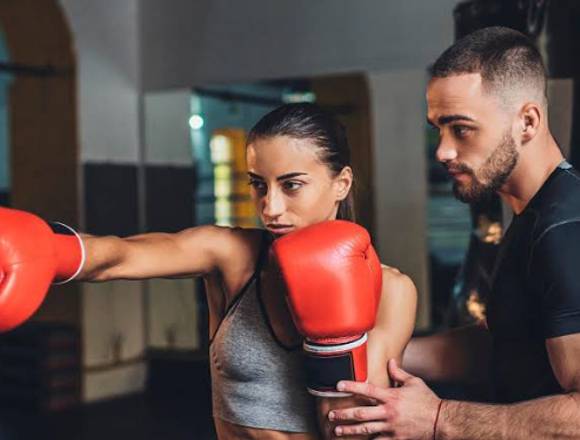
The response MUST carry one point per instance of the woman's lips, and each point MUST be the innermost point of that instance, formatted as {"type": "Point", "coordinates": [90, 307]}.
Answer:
{"type": "Point", "coordinates": [279, 229]}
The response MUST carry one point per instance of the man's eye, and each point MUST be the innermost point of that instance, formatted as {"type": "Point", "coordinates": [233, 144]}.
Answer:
{"type": "Point", "coordinates": [460, 131]}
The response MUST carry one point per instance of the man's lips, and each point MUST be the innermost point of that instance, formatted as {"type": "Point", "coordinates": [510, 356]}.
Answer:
{"type": "Point", "coordinates": [456, 172]}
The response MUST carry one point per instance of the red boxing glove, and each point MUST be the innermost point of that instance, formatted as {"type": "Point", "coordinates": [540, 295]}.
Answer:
{"type": "Point", "coordinates": [33, 254]}
{"type": "Point", "coordinates": [334, 281]}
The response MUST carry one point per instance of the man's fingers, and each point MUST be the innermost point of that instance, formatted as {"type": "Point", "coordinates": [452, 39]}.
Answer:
{"type": "Point", "coordinates": [363, 389]}
{"type": "Point", "coordinates": [362, 429]}
{"type": "Point", "coordinates": [398, 374]}
{"type": "Point", "coordinates": [359, 414]}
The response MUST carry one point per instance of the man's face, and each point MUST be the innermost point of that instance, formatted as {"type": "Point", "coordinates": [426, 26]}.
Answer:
{"type": "Point", "coordinates": [476, 144]}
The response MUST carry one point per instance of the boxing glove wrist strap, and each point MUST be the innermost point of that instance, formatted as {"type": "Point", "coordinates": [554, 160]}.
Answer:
{"type": "Point", "coordinates": [71, 252]}
{"type": "Point", "coordinates": [327, 364]}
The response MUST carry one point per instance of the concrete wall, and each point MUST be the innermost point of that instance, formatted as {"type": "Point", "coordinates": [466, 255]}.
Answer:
{"type": "Point", "coordinates": [186, 42]}
{"type": "Point", "coordinates": [171, 305]}
{"type": "Point", "coordinates": [106, 39]}
{"type": "Point", "coordinates": [400, 170]}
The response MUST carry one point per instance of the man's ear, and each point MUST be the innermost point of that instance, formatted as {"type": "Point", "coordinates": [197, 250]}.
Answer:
{"type": "Point", "coordinates": [530, 116]}
{"type": "Point", "coordinates": [343, 183]}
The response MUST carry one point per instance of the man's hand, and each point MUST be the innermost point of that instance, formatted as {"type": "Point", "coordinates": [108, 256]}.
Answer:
{"type": "Point", "coordinates": [408, 411]}
{"type": "Point", "coordinates": [329, 404]}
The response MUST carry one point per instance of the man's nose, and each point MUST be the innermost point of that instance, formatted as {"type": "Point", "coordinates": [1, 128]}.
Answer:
{"type": "Point", "coordinates": [446, 151]}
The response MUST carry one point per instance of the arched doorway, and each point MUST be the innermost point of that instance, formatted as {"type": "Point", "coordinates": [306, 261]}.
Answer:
{"type": "Point", "coordinates": [42, 124]}
{"type": "Point", "coordinates": [6, 78]}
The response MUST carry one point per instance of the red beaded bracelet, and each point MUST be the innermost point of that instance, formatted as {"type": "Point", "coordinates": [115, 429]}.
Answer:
{"type": "Point", "coordinates": [437, 419]}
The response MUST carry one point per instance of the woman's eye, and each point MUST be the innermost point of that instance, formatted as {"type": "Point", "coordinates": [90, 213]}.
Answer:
{"type": "Point", "coordinates": [257, 185]}
{"type": "Point", "coordinates": [291, 185]}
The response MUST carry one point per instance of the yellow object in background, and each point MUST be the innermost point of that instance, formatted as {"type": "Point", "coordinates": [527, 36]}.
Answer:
{"type": "Point", "coordinates": [233, 204]}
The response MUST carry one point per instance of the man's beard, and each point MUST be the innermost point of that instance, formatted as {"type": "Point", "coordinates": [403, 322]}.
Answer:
{"type": "Point", "coordinates": [491, 176]}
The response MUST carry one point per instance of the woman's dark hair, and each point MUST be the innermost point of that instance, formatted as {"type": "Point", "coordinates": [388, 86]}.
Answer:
{"type": "Point", "coordinates": [309, 121]}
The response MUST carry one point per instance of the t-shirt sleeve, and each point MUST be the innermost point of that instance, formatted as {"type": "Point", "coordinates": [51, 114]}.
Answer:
{"type": "Point", "coordinates": [555, 272]}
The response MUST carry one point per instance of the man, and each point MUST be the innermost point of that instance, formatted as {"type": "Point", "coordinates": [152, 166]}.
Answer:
{"type": "Point", "coordinates": [487, 99]}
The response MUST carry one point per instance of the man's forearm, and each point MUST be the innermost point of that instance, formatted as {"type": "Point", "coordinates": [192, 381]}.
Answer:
{"type": "Point", "coordinates": [458, 355]}
{"type": "Point", "coordinates": [554, 417]}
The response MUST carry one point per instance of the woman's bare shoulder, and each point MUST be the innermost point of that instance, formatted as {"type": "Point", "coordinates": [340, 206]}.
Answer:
{"type": "Point", "coordinates": [235, 246]}
{"type": "Point", "coordinates": [244, 238]}
{"type": "Point", "coordinates": [395, 280]}
{"type": "Point", "coordinates": [221, 238]}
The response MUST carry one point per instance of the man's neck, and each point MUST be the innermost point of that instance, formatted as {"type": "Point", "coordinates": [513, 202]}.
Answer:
{"type": "Point", "coordinates": [532, 170]}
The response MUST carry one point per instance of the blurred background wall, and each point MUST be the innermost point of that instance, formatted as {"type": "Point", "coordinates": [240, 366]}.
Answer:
{"type": "Point", "coordinates": [137, 63]}
{"type": "Point", "coordinates": [129, 116]}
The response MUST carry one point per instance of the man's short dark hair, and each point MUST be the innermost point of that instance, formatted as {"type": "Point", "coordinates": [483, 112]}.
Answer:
{"type": "Point", "coordinates": [506, 59]}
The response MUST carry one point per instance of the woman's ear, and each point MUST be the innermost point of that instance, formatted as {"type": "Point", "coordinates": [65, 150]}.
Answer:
{"type": "Point", "coordinates": [343, 183]}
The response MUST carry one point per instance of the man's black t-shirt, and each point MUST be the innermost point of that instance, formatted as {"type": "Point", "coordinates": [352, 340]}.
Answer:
{"type": "Point", "coordinates": [536, 288]}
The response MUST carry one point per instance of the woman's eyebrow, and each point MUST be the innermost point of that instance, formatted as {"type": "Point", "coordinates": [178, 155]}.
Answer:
{"type": "Point", "coordinates": [282, 177]}
{"type": "Point", "coordinates": [290, 175]}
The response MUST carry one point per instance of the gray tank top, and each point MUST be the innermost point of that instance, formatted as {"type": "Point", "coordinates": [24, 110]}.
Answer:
{"type": "Point", "coordinates": [256, 380]}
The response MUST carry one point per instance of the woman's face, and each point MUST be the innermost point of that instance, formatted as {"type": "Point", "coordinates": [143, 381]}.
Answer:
{"type": "Point", "coordinates": [290, 187]}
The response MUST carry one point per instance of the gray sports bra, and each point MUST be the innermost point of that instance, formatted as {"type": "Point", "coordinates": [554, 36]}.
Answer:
{"type": "Point", "coordinates": [256, 380]}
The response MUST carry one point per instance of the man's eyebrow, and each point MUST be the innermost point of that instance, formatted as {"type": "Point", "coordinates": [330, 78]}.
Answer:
{"type": "Point", "coordinates": [282, 177]}
{"type": "Point", "coordinates": [446, 119]}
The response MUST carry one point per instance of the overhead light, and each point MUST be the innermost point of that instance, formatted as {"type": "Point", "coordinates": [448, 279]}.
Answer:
{"type": "Point", "coordinates": [196, 122]}
{"type": "Point", "coordinates": [295, 97]}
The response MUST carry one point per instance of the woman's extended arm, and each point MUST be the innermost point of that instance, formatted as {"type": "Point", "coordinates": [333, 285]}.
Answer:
{"type": "Point", "coordinates": [193, 251]}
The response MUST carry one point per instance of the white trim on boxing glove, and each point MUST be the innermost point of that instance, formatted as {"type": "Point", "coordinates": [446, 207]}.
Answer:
{"type": "Point", "coordinates": [83, 254]}
{"type": "Point", "coordinates": [335, 348]}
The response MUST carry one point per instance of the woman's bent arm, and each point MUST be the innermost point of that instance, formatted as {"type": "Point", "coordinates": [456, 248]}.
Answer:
{"type": "Point", "coordinates": [393, 329]}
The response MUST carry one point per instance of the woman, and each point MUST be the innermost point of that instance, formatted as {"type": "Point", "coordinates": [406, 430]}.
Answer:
{"type": "Point", "coordinates": [300, 174]}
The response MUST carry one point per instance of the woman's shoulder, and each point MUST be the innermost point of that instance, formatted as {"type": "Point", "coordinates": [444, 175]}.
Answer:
{"type": "Point", "coordinates": [398, 301]}
{"type": "Point", "coordinates": [224, 235]}
{"type": "Point", "coordinates": [395, 280]}
{"type": "Point", "coordinates": [235, 243]}
{"type": "Point", "coordinates": [250, 237]}
{"type": "Point", "coordinates": [224, 243]}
